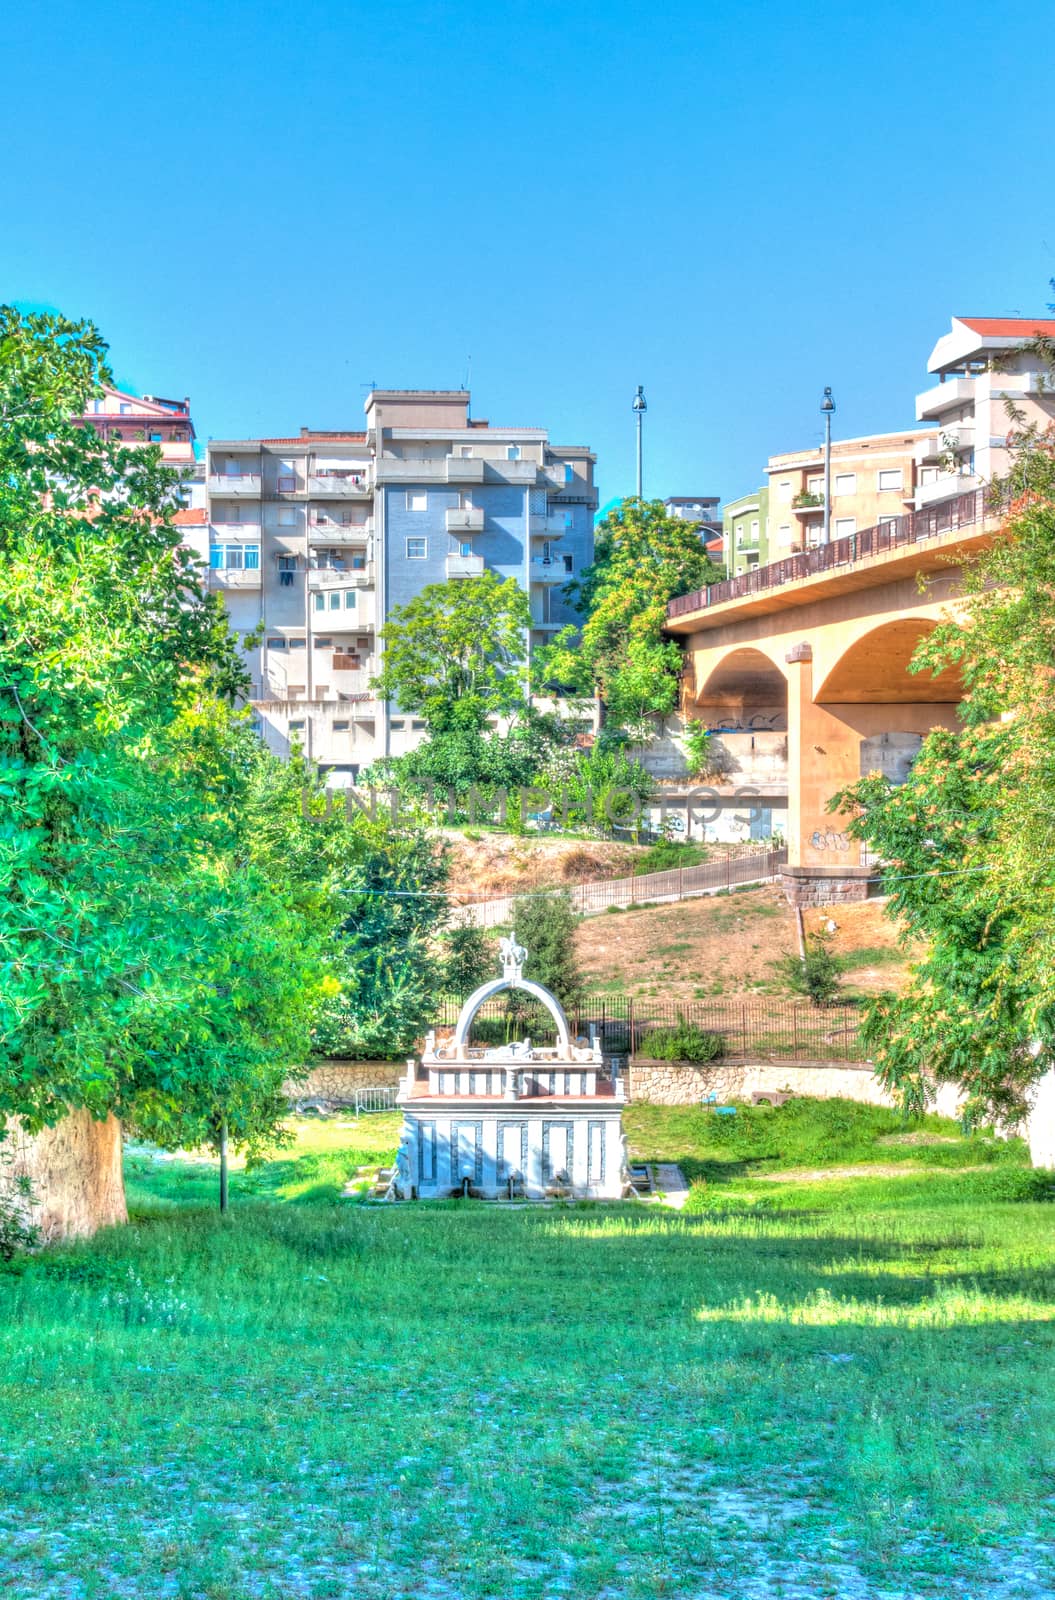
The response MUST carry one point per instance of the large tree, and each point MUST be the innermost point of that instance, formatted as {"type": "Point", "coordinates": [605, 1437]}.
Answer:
{"type": "Point", "coordinates": [643, 559]}
{"type": "Point", "coordinates": [454, 654]}
{"type": "Point", "coordinates": [967, 842]}
{"type": "Point", "coordinates": [148, 966]}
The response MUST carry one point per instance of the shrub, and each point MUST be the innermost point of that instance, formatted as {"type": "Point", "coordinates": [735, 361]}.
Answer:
{"type": "Point", "coordinates": [686, 1042]}
{"type": "Point", "coordinates": [668, 854]}
{"type": "Point", "coordinates": [470, 960]}
{"type": "Point", "coordinates": [697, 742]}
{"type": "Point", "coordinates": [816, 977]}
{"type": "Point", "coordinates": [17, 1229]}
{"type": "Point", "coordinates": [545, 925]}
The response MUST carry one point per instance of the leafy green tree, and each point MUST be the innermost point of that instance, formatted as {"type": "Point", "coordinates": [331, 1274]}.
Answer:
{"type": "Point", "coordinates": [470, 960]}
{"type": "Point", "coordinates": [643, 559]}
{"type": "Point", "coordinates": [600, 788]}
{"type": "Point", "coordinates": [545, 925]}
{"type": "Point", "coordinates": [967, 841]}
{"type": "Point", "coordinates": [454, 654]}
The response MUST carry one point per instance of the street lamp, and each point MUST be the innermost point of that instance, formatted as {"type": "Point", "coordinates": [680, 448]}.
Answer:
{"type": "Point", "coordinates": [827, 407]}
{"type": "Point", "coordinates": [640, 407]}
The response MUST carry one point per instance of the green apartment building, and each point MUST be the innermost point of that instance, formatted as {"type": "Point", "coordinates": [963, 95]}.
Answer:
{"type": "Point", "coordinates": [745, 532]}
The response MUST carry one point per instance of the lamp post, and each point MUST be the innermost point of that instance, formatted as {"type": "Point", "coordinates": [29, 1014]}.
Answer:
{"type": "Point", "coordinates": [640, 407]}
{"type": "Point", "coordinates": [827, 407]}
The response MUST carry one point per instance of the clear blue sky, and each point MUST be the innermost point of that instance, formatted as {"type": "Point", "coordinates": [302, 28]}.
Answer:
{"type": "Point", "coordinates": [268, 206]}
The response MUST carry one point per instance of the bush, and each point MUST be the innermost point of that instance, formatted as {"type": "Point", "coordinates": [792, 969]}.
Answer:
{"type": "Point", "coordinates": [545, 925]}
{"type": "Point", "coordinates": [816, 977]}
{"type": "Point", "coordinates": [669, 854]}
{"type": "Point", "coordinates": [686, 1042]}
{"type": "Point", "coordinates": [17, 1230]}
{"type": "Point", "coordinates": [470, 960]}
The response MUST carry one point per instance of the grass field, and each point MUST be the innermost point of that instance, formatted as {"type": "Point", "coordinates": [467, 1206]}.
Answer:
{"type": "Point", "coordinates": [822, 1382]}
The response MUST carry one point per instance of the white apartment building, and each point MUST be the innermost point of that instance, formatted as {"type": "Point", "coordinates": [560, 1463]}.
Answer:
{"type": "Point", "coordinates": [313, 539]}
{"type": "Point", "coordinates": [977, 375]}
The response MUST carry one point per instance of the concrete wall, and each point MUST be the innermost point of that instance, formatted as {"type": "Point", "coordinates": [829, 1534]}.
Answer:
{"type": "Point", "coordinates": [672, 1083]}
{"type": "Point", "coordinates": [338, 1080]}
{"type": "Point", "coordinates": [75, 1172]}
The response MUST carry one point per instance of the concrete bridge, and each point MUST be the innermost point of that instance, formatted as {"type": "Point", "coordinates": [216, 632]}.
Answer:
{"type": "Point", "coordinates": [821, 642]}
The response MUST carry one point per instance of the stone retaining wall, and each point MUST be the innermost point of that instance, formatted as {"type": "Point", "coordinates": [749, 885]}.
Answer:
{"type": "Point", "coordinates": [338, 1080]}
{"type": "Point", "coordinates": [681, 1083]}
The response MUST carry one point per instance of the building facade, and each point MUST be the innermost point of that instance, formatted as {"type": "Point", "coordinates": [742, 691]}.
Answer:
{"type": "Point", "coordinates": [874, 479]}
{"type": "Point", "coordinates": [981, 370]}
{"type": "Point", "coordinates": [314, 540]}
{"type": "Point", "coordinates": [745, 532]}
{"type": "Point", "coordinates": [701, 508]}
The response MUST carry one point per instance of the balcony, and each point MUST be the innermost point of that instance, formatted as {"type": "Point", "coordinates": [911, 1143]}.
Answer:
{"type": "Point", "coordinates": [341, 577]}
{"type": "Point", "coordinates": [808, 505]}
{"type": "Point", "coordinates": [957, 436]}
{"type": "Point", "coordinates": [234, 578]}
{"type": "Point", "coordinates": [465, 520]}
{"type": "Point", "coordinates": [340, 532]}
{"type": "Point", "coordinates": [465, 469]}
{"type": "Point", "coordinates": [459, 566]}
{"type": "Point", "coordinates": [234, 487]}
{"type": "Point", "coordinates": [547, 527]}
{"type": "Point", "coordinates": [928, 450]}
{"type": "Point", "coordinates": [948, 396]}
{"type": "Point", "coordinates": [542, 571]}
{"type": "Point", "coordinates": [340, 486]}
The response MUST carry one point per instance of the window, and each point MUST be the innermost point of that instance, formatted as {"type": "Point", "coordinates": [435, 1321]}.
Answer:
{"type": "Point", "coordinates": [287, 477]}
{"type": "Point", "coordinates": [417, 549]}
{"type": "Point", "coordinates": [569, 563]}
{"type": "Point", "coordinates": [225, 513]}
{"type": "Point", "coordinates": [884, 522]}
{"type": "Point", "coordinates": [124, 409]}
{"type": "Point", "coordinates": [232, 468]}
{"type": "Point", "coordinates": [569, 472]}
{"type": "Point", "coordinates": [358, 563]}
{"type": "Point", "coordinates": [928, 474]}
{"type": "Point", "coordinates": [396, 724]}
{"type": "Point", "coordinates": [815, 484]}
{"type": "Point", "coordinates": [97, 406]}
{"type": "Point", "coordinates": [335, 600]}
{"type": "Point", "coordinates": [465, 548]}
{"type": "Point", "coordinates": [418, 725]}
{"type": "Point", "coordinates": [416, 501]}
{"type": "Point", "coordinates": [320, 602]}
{"type": "Point", "coordinates": [252, 557]}
{"type": "Point", "coordinates": [845, 483]}
{"type": "Point", "coordinates": [153, 436]}
{"type": "Point", "coordinates": [296, 727]}
{"type": "Point", "coordinates": [324, 644]}
{"type": "Point", "coordinates": [216, 557]}
{"type": "Point", "coordinates": [276, 644]}
{"type": "Point", "coordinates": [466, 452]}
{"type": "Point", "coordinates": [844, 526]}
{"type": "Point", "coordinates": [754, 531]}
{"type": "Point", "coordinates": [513, 452]}
{"type": "Point", "coordinates": [890, 478]}
{"type": "Point", "coordinates": [298, 644]}
{"type": "Point", "coordinates": [784, 489]}
{"type": "Point", "coordinates": [340, 727]}
{"type": "Point", "coordinates": [287, 567]}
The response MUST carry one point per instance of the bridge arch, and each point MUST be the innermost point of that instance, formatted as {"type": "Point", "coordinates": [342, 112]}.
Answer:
{"type": "Point", "coordinates": [874, 669]}
{"type": "Point", "coordinates": [744, 684]}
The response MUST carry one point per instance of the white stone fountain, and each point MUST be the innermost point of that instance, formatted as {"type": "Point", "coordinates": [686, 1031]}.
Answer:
{"type": "Point", "coordinates": [517, 1120]}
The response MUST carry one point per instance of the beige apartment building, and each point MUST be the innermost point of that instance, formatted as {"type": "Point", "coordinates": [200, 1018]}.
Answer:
{"type": "Point", "coordinates": [314, 539]}
{"type": "Point", "coordinates": [874, 479]}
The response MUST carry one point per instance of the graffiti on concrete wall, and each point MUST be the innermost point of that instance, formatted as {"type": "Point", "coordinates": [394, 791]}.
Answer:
{"type": "Point", "coordinates": [829, 840]}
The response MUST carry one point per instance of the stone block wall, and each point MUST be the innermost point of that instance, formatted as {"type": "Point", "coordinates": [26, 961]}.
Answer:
{"type": "Point", "coordinates": [677, 1083]}
{"type": "Point", "coordinates": [338, 1080]}
{"type": "Point", "coordinates": [819, 887]}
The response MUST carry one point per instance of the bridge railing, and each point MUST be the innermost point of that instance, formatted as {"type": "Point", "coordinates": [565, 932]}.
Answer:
{"type": "Point", "coordinates": [914, 527]}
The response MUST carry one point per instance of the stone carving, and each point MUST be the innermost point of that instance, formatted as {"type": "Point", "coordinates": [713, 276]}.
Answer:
{"type": "Point", "coordinates": [513, 958]}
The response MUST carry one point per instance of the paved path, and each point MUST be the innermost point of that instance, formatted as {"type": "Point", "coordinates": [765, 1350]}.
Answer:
{"type": "Point", "coordinates": [670, 1181]}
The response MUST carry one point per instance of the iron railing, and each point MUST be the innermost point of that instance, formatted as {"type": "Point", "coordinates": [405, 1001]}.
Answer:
{"type": "Point", "coordinates": [914, 527]}
{"type": "Point", "coordinates": [761, 1028]}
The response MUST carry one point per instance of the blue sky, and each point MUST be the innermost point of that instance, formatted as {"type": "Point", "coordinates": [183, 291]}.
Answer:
{"type": "Point", "coordinates": [268, 207]}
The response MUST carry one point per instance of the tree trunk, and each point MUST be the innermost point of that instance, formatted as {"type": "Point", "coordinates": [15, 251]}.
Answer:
{"type": "Point", "coordinates": [223, 1164]}
{"type": "Point", "coordinates": [75, 1172]}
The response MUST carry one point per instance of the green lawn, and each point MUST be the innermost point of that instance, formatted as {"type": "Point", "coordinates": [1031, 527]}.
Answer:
{"type": "Point", "coordinates": [810, 1386]}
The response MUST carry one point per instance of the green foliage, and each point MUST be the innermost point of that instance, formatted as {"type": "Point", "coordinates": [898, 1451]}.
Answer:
{"type": "Point", "coordinates": [453, 653]}
{"type": "Point", "coordinates": [18, 1231]}
{"type": "Point", "coordinates": [469, 961]}
{"type": "Point", "coordinates": [448, 764]}
{"type": "Point", "coordinates": [668, 855]}
{"type": "Point", "coordinates": [685, 1042]}
{"type": "Point", "coordinates": [545, 925]}
{"type": "Point", "coordinates": [698, 751]}
{"type": "Point", "coordinates": [818, 976]}
{"type": "Point", "coordinates": [599, 789]}
{"type": "Point", "coordinates": [643, 558]}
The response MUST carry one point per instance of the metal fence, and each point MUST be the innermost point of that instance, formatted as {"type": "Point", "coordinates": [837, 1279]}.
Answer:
{"type": "Point", "coordinates": [915, 527]}
{"type": "Point", "coordinates": [680, 883]}
{"type": "Point", "coordinates": [760, 1028]}
{"type": "Point", "coordinates": [378, 1097]}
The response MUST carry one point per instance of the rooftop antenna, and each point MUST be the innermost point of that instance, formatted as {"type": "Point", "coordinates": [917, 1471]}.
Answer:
{"type": "Point", "coordinates": [468, 387]}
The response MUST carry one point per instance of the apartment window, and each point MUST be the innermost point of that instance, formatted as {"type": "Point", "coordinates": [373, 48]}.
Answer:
{"type": "Point", "coordinates": [396, 724]}
{"type": "Point", "coordinates": [335, 600]}
{"type": "Point", "coordinates": [784, 489]}
{"type": "Point", "coordinates": [232, 468]}
{"type": "Point", "coordinates": [928, 474]}
{"type": "Point", "coordinates": [465, 548]}
{"type": "Point", "coordinates": [846, 483]}
{"type": "Point", "coordinates": [417, 726]}
{"type": "Point", "coordinates": [754, 531]}
{"type": "Point", "coordinates": [296, 727]}
{"type": "Point", "coordinates": [340, 727]}
{"type": "Point", "coordinates": [154, 437]}
{"type": "Point", "coordinates": [784, 533]}
{"type": "Point", "coordinates": [844, 526]}
{"type": "Point", "coordinates": [124, 409]}
{"type": "Point", "coordinates": [298, 644]}
{"type": "Point", "coordinates": [569, 563]}
{"type": "Point", "coordinates": [884, 522]}
{"type": "Point", "coordinates": [358, 563]}
{"type": "Point", "coordinates": [287, 477]}
{"type": "Point", "coordinates": [569, 472]}
{"type": "Point", "coordinates": [97, 406]}
{"type": "Point", "coordinates": [513, 452]}
{"type": "Point", "coordinates": [890, 478]}
{"type": "Point", "coordinates": [234, 557]}
{"type": "Point", "coordinates": [417, 549]}
{"type": "Point", "coordinates": [320, 602]}
{"type": "Point", "coordinates": [287, 567]}
{"type": "Point", "coordinates": [466, 451]}
{"type": "Point", "coordinates": [417, 502]}
{"type": "Point", "coordinates": [276, 644]}
{"type": "Point", "coordinates": [815, 484]}
{"type": "Point", "coordinates": [324, 644]}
